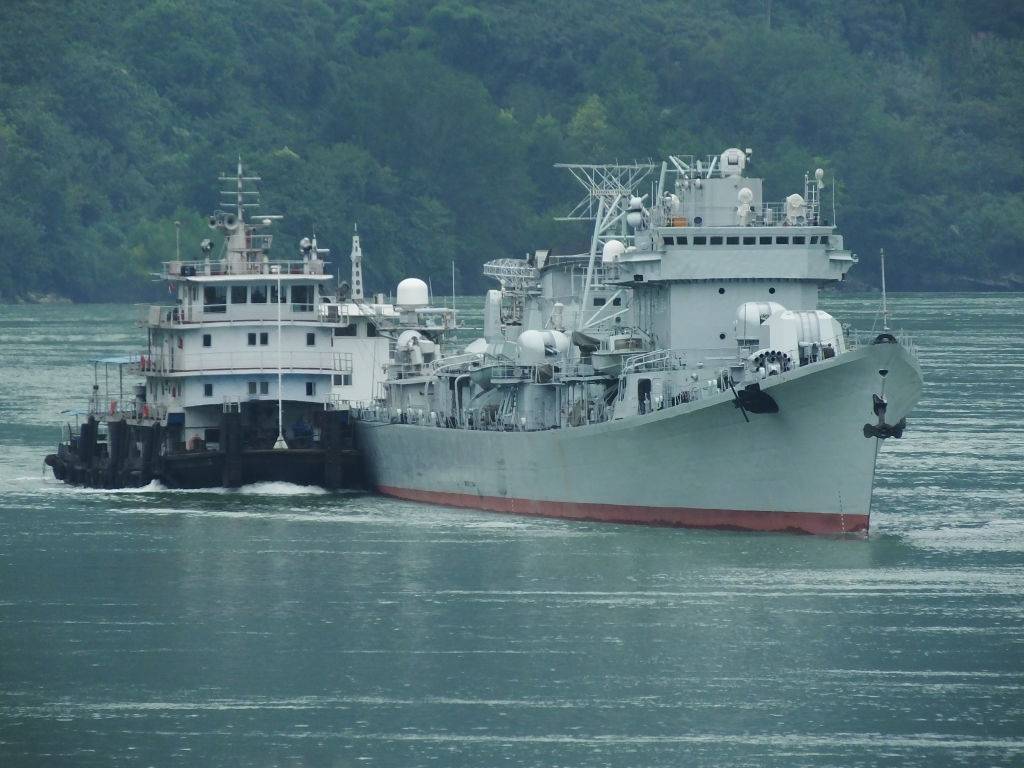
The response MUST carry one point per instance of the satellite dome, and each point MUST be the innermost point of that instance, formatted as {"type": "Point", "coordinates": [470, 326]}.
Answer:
{"type": "Point", "coordinates": [612, 250]}
{"type": "Point", "coordinates": [412, 292]}
{"type": "Point", "coordinates": [745, 195]}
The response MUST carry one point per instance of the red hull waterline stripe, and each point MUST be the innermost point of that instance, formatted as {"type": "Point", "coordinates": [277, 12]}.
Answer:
{"type": "Point", "coordinates": [684, 517]}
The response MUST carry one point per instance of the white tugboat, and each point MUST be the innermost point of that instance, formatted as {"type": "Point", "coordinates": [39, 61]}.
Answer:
{"type": "Point", "coordinates": [680, 373]}
{"type": "Point", "coordinates": [239, 373]}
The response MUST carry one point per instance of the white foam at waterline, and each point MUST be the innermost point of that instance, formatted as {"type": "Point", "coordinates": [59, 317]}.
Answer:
{"type": "Point", "coordinates": [268, 488]}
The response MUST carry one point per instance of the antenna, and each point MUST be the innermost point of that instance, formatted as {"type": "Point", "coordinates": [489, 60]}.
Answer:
{"type": "Point", "coordinates": [885, 308]}
{"type": "Point", "coordinates": [453, 283]}
{"type": "Point", "coordinates": [834, 222]}
{"type": "Point", "coordinates": [357, 266]}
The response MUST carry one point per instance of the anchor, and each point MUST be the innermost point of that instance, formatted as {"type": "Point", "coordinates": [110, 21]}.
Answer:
{"type": "Point", "coordinates": [882, 430]}
{"type": "Point", "coordinates": [752, 399]}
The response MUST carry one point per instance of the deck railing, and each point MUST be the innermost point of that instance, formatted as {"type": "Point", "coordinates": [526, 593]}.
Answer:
{"type": "Point", "coordinates": [214, 362]}
{"type": "Point", "coordinates": [219, 267]}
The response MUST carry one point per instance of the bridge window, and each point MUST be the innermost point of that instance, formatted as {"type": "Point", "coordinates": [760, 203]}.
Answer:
{"type": "Point", "coordinates": [749, 240]}
{"type": "Point", "coordinates": [765, 241]}
{"type": "Point", "coordinates": [371, 330]}
{"type": "Point", "coordinates": [264, 338]}
{"type": "Point", "coordinates": [716, 240]}
{"type": "Point", "coordinates": [782, 240]}
{"type": "Point", "coordinates": [814, 239]}
{"type": "Point", "coordinates": [732, 241]}
{"type": "Point", "coordinates": [239, 294]}
{"type": "Point", "coordinates": [681, 240]}
{"type": "Point", "coordinates": [617, 301]}
{"type": "Point", "coordinates": [215, 298]}
{"type": "Point", "coordinates": [310, 339]}
{"type": "Point", "coordinates": [599, 301]}
{"type": "Point", "coordinates": [207, 390]}
{"type": "Point", "coordinates": [310, 389]}
{"type": "Point", "coordinates": [700, 240]}
{"type": "Point", "coordinates": [302, 298]}
{"type": "Point", "coordinates": [343, 379]}
{"type": "Point", "coordinates": [207, 339]}
{"type": "Point", "coordinates": [346, 330]}
{"type": "Point", "coordinates": [258, 295]}
{"type": "Point", "coordinates": [799, 240]}
{"type": "Point", "coordinates": [252, 339]}
{"type": "Point", "coordinates": [252, 387]}
{"type": "Point", "coordinates": [824, 239]}
{"type": "Point", "coordinates": [264, 387]}
{"type": "Point", "coordinates": [670, 241]}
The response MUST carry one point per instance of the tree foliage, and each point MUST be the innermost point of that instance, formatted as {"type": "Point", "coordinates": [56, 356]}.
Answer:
{"type": "Point", "coordinates": [435, 125]}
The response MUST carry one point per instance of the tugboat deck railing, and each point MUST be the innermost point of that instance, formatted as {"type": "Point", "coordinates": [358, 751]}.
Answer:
{"type": "Point", "coordinates": [229, 362]}
{"type": "Point", "coordinates": [235, 267]}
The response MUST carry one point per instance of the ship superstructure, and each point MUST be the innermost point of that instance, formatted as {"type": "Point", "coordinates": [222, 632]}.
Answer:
{"type": "Point", "coordinates": [678, 373]}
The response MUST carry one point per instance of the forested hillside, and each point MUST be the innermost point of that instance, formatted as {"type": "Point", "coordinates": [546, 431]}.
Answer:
{"type": "Point", "coordinates": [435, 125]}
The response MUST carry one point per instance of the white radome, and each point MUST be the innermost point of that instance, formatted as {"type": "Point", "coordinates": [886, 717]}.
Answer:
{"type": "Point", "coordinates": [412, 292]}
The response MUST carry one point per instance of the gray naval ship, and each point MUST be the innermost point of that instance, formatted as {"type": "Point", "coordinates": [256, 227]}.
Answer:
{"type": "Point", "coordinates": [679, 373]}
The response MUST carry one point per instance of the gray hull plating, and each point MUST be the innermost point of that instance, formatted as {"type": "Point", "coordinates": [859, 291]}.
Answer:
{"type": "Point", "coordinates": [808, 467]}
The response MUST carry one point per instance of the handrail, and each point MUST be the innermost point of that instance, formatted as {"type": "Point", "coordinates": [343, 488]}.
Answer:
{"type": "Point", "coordinates": [242, 268]}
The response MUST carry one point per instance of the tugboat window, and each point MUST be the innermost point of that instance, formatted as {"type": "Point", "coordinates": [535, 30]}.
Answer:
{"type": "Point", "coordinates": [215, 298]}
{"type": "Point", "coordinates": [252, 339]}
{"type": "Point", "coordinates": [207, 340]}
{"type": "Point", "coordinates": [264, 387]}
{"type": "Point", "coordinates": [264, 339]}
{"type": "Point", "coordinates": [310, 388]}
{"type": "Point", "coordinates": [258, 294]}
{"type": "Point", "coordinates": [310, 339]}
{"type": "Point", "coordinates": [302, 298]}
{"type": "Point", "coordinates": [239, 294]}
{"type": "Point", "coordinates": [208, 390]}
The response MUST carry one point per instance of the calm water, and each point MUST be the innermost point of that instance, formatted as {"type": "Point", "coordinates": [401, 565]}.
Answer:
{"type": "Point", "coordinates": [279, 626]}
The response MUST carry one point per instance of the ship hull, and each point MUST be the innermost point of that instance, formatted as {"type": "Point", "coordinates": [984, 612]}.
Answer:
{"type": "Point", "coordinates": [807, 468]}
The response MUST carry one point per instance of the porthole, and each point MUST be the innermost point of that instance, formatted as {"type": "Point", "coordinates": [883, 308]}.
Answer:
{"type": "Point", "coordinates": [721, 290]}
{"type": "Point", "coordinates": [771, 290]}
{"type": "Point", "coordinates": [721, 336]}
